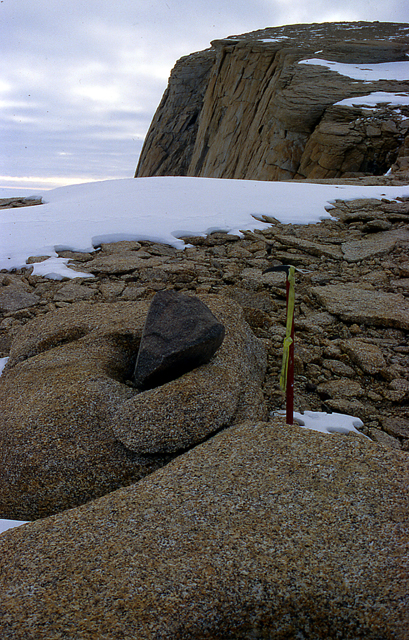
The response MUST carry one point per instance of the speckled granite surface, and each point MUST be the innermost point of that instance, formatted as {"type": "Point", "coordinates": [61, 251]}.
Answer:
{"type": "Point", "coordinates": [264, 531]}
{"type": "Point", "coordinates": [68, 434]}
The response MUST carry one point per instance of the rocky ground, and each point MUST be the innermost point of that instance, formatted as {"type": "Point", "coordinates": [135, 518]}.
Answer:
{"type": "Point", "coordinates": [351, 312]}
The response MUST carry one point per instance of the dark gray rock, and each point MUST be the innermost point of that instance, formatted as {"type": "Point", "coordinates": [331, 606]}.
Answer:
{"type": "Point", "coordinates": [183, 412]}
{"type": "Point", "coordinates": [180, 334]}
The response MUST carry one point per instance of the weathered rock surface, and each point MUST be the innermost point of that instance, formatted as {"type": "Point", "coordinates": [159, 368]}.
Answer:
{"type": "Point", "coordinates": [367, 306]}
{"type": "Point", "coordinates": [225, 391]}
{"type": "Point", "coordinates": [367, 356]}
{"type": "Point", "coordinates": [375, 244]}
{"type": "Point", "coordinates": [12, 203]}
{"type": "Point", "coordinates": [343, 342]}
{"type": "Point", "coordinates": [180, 334]}
{"type": "Point", "coordinates": [62, 428]}
{"type": "Point", "coordinates": [247, 108]}
{"type": "Point", "coordinates": [64, 380]}
{"type": "Point", "coordinates": [263, 531]}
{"type": "Point", "coordinates": [15, 295]}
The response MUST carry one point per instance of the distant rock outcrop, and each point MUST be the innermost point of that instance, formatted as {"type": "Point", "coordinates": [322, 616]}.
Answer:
{"type": "Point", "coordinates": [246, 108]}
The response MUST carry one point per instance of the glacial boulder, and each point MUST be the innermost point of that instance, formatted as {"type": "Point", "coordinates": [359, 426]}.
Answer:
{"type": "Point", "coordinates": [180, 334]}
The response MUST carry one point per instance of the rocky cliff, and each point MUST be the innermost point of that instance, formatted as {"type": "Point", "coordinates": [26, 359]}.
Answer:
{"type": "Point", "coordinates": [250, 107]}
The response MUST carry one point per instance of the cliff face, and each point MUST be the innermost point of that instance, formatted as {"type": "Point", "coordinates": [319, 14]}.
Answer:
{"type": "Point", "coordinates": [250, 108]}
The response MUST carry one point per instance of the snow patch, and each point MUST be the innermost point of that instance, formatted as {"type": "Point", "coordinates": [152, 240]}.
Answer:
{"type": "Point", "coordinates": [327, 422]}
{"type": "Point", "coordinates": [375, 98]}
{"type": "Point", "coordinates": [160, 209]}
{"type": "Point", "coordinates": [10, 524]}
{"type": "Point", "coordinates": [3, 362]}
{"type": "Point", "coordinates": [278, 39]}
{"type": "Point", "coordinates": [369, 72]}
{"type": "Point", "coordinates": [57, 269]}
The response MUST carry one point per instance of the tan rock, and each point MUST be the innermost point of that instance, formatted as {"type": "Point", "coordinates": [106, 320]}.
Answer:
{"type": "Point", "coordinates": [35, 259]}
{"type": "Point", "coordinates": [64, 380]}
{"type": "Point", "coordinates": [384, 439]}
{"type": "Point", "coordinates": [314, 248]}
{"type": "Point", "coordinates": [111, 290]}
{"type": "Point", "coordinates": [122, 246]}
{"type": "Point", "coordinates": [355, 304]}
{"type": "Point", "coordinates": [367, 356]}
{"type": "Point", "coordinates": [339, 368]}
{"type": "Point", "coordinates": [246, 108]}
{"type": "Point", "coordinates": [72, 292]}
{"type": "Point", "coordinates": [15, 296]}
{"type": "Point", "coordinates": [265, 530]}
{"type": "Point", "coordinates": [376, 244]}
{"type": "Point", "coordinates": [120, 263]}
{"type": "Point", "coordinates": [65, 413]}
{"type": "Point", "coordinates": [340, 388]}
{"type": "Point", "coordinates": [397, 427]}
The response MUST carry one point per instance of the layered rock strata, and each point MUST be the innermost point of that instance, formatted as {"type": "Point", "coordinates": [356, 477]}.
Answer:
{"type": "Point", "coordinates": [249, 108]}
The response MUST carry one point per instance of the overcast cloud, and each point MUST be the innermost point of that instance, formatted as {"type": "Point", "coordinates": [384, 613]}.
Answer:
{"type": "Point", "coordinates": [80, 81]}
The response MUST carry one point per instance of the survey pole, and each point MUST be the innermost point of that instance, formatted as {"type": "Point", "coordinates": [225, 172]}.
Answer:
{"type": "Point", "coordinates": [287, 370]}
{"type": "Point", "coordinates": [289, 410]}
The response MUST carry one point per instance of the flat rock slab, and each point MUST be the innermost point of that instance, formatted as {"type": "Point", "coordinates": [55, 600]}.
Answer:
{"type": "Point", "coordinates": [343, 388]}
{"type": "Point", "coordinates": [315, 249]}
{"type": "Point", "coordinates": [367, 306]}
{"type": "Point", "coordinates": [72, 292]}
{"type": "Point", "coordinates": [376, 244]}
{"type": "Point", "coordinates": [180, 333]}
{"type": "Point", "coordinates": [182, 412]}
{"type": "Point", "coordinates": [121, 263]}
{"type": "Point", "coordinates": [367, 356]}
{"type": "Point", "coordinates": [264, 531]}
{"type": "Point", "coordinates": [13, 298]}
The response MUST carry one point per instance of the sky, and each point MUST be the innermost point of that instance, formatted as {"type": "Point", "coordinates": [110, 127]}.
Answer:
{"type": "Point", "coordinates": [80, 81]}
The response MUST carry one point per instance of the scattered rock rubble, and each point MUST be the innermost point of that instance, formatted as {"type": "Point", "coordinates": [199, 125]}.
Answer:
{"type": "Point", "coordinates": [351, 313]}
